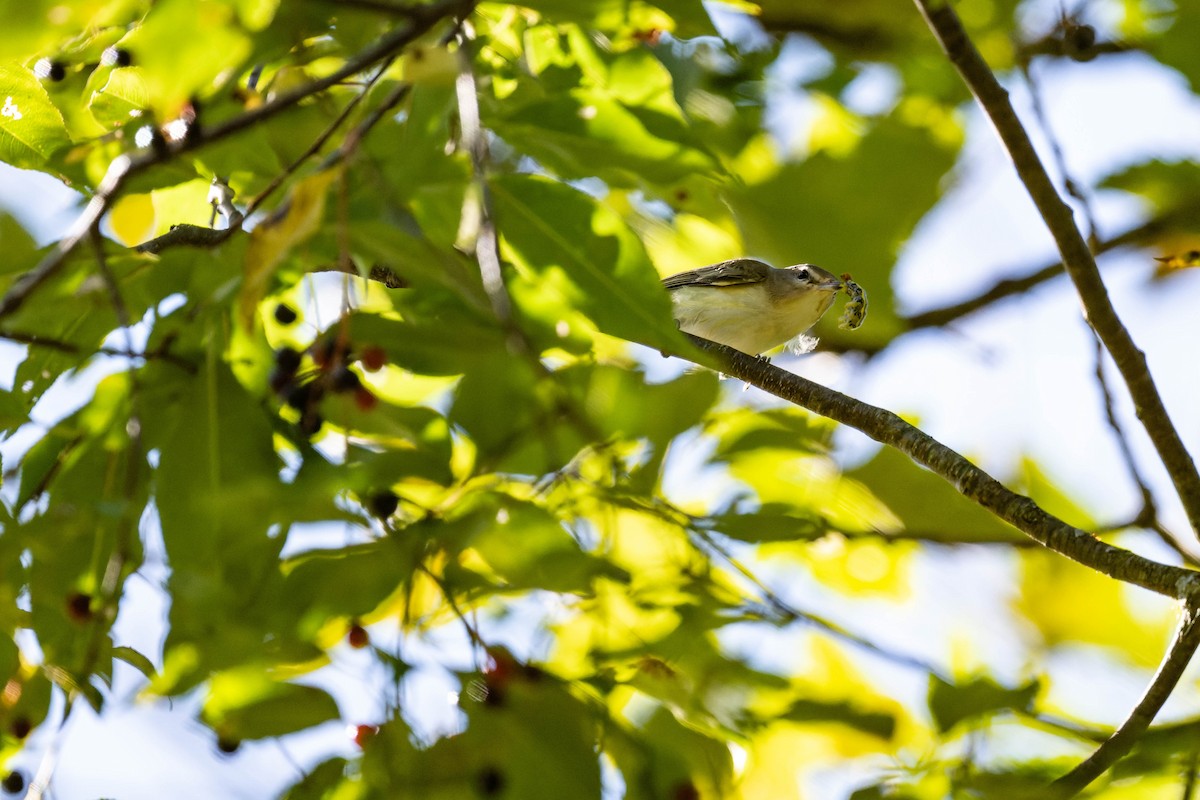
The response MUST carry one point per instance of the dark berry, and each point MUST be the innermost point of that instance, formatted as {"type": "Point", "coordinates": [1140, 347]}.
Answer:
{"type": "Point", "coordinates": [323, 352]}
{"type": "Point", "coordinates": [373, 358]}
{"type": "Point", "coordinates": [13, 783]}
{"type": "Point", "coordinates": [490, 782]}
{"type": "Point", "coordinates": [79, 606]}
{"type": "Point", "coordinates": [228, 745]}
{"type": "Point", "coordinates": [49, 69]}
{"type": "Point", "coordinates": [116, 57]}
{"type": "Point", "coordinates": [358, 637]}
{"type": "Point", "coordinates": [383, 504]}
{"type": "Point", "coordinates": [310, 424]}
{"type": "Point", "coordinates": [364, 732]}
{"type": "Point", "coordinates": [287, 359]}
{"type": "Point", "coordinates": [685, 791]}
{"type": "Point", "coordinates": [279, 380]}
{"type": "Point", "coordinates": [20, 727]}
{"type": "Point", "coordinates": [285, 314]}
{"type": "Point", "coordinates": [1082, 37]}
{"type": "Point", "coordinates": [301, 396]}
{"type": "Point", "coordinates": [345, 379]}
{"type": "Point", "coordinates": [364, 399]}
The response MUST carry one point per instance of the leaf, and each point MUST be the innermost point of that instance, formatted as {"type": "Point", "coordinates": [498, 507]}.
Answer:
{"type": "Point", "coordinates": [206, 36]}
{"type": "Point", "coordinates": [31, 128]}
{"type": "Point", "coordinates": [273, 238]}
{"type": "Point", "coordinates": [562, 235]}
{"type": "Point", "coordinates": [586, 133]}
{"type": "Point", "coordinates": [319, 780]}
{"type": "Point", "coordinates": [951, 703]}
{"type": "Point", "coordinates": [530, 549]}
{"type": "Point", "coordinates": [348, 582]}
{"type": "Point", "coordinates": [136, 660]}
{"type": "Point", "coordinates": [20, 250]}
{"type": "Point", "coordinates": [1174, 47]}
{"type": "Point", "coordinates": [928, 507]}
{"type": "Point", "coordinates": [132, 219]}
{"type": "Point", "coordinates": [1065, 603]}
{"type": "Point", "coordinates": [246, 704]}
{"type": "Point", "coordinates": [772, 522]}
{"type": "Point", "coordinates": [612, 15]}
{"type": "Point", "coordinates": [122, 99]}
{"type": "Point", "coordinates": [876, 723]}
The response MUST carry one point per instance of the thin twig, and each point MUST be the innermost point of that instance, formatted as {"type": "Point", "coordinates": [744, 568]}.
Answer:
{"type": "Point", "coordinates": [320, 141]}
{"type": "Point", "coordinates": [124, 167]}
{"type": "Point", "coordinates": [1076, 256]}
{"type": "Point", "coordinates": [790, 613]}
{"type": "Point", "coordinates": [972, 482]}
{"type": "Point", "coordinates": [486, 247]}
{"type": "Point", "coordinates": [38, 340]}
{"type": "Point", "coordinates": [1189, 777]}
{"type": "Point", "coordinates": [185, 235]}
{"type": "Point", "coordinates": [1147, 515]}
{"type": "Point", "coordinates": [1183, 647]}
{"type": "Point", "coordinates": [1011, 287]}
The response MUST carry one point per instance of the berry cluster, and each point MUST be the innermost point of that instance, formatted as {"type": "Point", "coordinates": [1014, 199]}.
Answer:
{"type": "Point", "coordinates": [331, 357]}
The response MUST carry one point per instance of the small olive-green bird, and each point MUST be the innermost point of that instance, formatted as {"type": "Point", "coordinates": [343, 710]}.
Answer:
{"type": "Point", "coordinates": [749, 305]}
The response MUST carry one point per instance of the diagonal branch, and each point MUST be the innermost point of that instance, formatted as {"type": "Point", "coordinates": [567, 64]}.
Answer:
{"type": "Point", "coordinates": [972, 482]}
{"type": "Point", "coordinates": [1077, 257]}
{"type": "Point", "coordinates": [123, 168]}
{"type": "Point", "coordinates": [1183, 647]}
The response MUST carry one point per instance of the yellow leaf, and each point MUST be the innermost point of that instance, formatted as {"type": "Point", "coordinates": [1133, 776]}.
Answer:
{"type": "Point", "coordinates": [1179, 260]}
{"type": "Point", "coordinates": [132, 219]}
{"type": "Point", "coordinates": [273, 238]}
{"type": "Point", "coordinates": [1068, 603]}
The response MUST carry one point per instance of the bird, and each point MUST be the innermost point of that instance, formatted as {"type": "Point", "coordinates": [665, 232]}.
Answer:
{"type": "Point", "coordinates": [749, 305]}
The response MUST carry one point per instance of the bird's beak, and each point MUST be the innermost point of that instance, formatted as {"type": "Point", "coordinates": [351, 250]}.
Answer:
{"type": "Point", "coordinates": [832, 285]}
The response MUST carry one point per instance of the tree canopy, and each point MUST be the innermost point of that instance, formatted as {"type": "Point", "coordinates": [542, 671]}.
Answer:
{"type": "Point", "coordinates": [355, 352]}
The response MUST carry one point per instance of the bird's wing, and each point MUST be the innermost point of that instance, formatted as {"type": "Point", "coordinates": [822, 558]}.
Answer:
{"type": "Point", "coordinates": [736, 272]}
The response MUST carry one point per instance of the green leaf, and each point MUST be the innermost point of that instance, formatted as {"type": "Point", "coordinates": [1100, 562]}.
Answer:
{"type": "Point", "coordinates": [319, 781]}
{"type": "Point", "coordinates": [952, 703]}
{"type": "Point", "coordinates": [1174, 47]}
{"type": "Point", "coordinates": [1167, 185]}
{"type": "Point", "coordinates": [205, 36]}
{"type": "Point", "coordinates": [612, 15]}
{"type": "Point", "coordinates": [876, 723]}
{"type": "Point", "coordinates": [246, 704]}
{"type": "Point", "coordinates": [772, 522]}
{"type": "Point", "coordinates": [621, 402]}
{"type": "Point", "coordinates": [122, 99]}
{"type": "Point", "coordinates": [530, 549]}
{"type": "Point", "coordinates": [136, 660]}
{"type": "Point", "coordinates": [586, 133]}
{"type": "Point", "coordinates": [561, 235]}
{"type": "Point", "coordinates": [20, 250]}
{"type": "Point", "coordinates": [348, 582]}
{"type": "Point", "coordinates": [31, 128]}
{"type": "Point", "coordinates": [929, 507]}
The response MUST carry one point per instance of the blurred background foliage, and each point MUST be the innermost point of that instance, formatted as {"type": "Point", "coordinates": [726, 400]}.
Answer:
{"type": "Point", "coordinates": [320, 474]}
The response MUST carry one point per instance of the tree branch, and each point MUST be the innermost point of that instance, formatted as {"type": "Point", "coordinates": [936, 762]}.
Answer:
{"type": "Point", "coordinates": [972, 482]}
{"type": "Point", "coordinates": [1187, 638]}
{"type": "Point", "coordinates": [419, 20]}
{"type": "Point", "coordinates": [1076, 256]}
{"type": "Point", "coordinates": [1011, 287]}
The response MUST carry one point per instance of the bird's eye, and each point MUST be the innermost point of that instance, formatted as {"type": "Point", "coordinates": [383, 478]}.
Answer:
{"type": "Point", "coordinates": [802, 274]}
